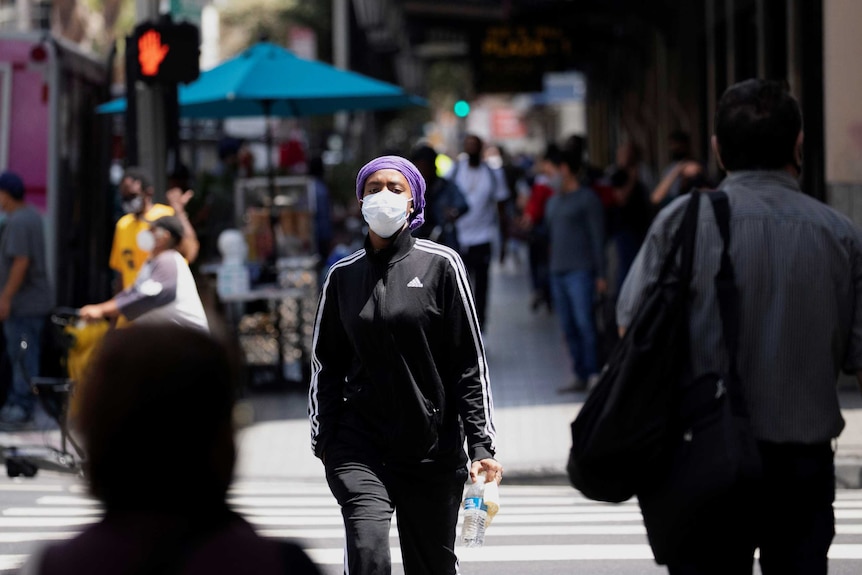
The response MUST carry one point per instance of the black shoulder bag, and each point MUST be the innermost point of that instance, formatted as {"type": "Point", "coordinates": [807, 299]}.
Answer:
{"type": "Point", "coordinates": [714, 464]}
{"type": "Point", "coordinates": [619, 438]}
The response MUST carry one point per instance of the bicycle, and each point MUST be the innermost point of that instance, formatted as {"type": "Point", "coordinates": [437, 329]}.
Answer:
{"type": "Point", "coordinates": [56, 396]}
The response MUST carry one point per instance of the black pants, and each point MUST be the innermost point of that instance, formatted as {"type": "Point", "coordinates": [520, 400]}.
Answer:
{"type": "Point", "coordinates": [477, 260]}
{"type": "Point", "coordinates": [540, 274]}
{"type": "Point", "coordinates": [790, 519]}
{"type": "Point", "coordinates": [425, 496]}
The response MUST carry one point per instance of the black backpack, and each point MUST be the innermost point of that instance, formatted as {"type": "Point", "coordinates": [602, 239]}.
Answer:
{"type": "Point", "coordinates": [619, 444]}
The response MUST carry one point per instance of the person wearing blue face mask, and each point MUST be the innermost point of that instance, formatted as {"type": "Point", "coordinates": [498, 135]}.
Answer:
{"type": "Point", "coordinates": [399, 383]}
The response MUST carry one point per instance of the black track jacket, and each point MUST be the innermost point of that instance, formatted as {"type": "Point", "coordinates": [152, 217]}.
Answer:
{"type": "Point", "coordinates": [398, 364]}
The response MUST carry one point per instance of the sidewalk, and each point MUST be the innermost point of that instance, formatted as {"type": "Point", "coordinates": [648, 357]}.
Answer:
{"type": "Point", "coordinates": [528, 363]}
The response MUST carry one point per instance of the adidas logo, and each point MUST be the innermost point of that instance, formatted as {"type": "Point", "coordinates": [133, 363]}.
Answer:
{"type": "Point", "coordinates": [415, 283]}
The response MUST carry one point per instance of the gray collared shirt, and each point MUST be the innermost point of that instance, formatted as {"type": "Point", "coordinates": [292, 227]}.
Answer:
{"type": "Point", "coordinates": [798, 266]}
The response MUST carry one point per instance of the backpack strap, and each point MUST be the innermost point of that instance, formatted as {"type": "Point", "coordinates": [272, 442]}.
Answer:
{"type": "Point", "coordinates": [728, 301]}
{"type": "Point", "coordinates": [683, 240]}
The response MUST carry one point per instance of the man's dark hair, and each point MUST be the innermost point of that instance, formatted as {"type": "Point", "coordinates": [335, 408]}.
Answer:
{"type": "Point", "coordinates": [180, 176]}
{"type": "Point", "coordinates": [172, 225]}
{"type": "Point", "coordinates": [316, 168]}
{"type": "Point", "coordinates": [140, 174]}
{"type": "Point", "coordinates": [553, 154]}
{"type": "Point", "coordinates": [423, 153]}
{"type": "Point", "coordinates": [576, 144]}
{"type": "Point", "coordinates": [757, 123]}
{"type": "Point", "coordinates": [573, 160]}
{"type": "Point", "coordinates": [620, 178]}
{"type": "Point", "coordinates": [156, 419]}
{"type": "Point", "coordinates": [228, 147]}
{"type": "Point", "coordinates": [471, 135]}
{"type": "Point", "coordinates": [680, 137]}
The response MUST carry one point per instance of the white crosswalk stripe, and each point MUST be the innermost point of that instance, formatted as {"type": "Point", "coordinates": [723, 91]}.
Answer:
{"type": "Point", "coordinates": [535, 523]}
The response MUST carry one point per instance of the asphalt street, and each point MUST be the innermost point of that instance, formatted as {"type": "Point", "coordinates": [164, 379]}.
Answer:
{"type": "Point", "coordinates": [541, 529]}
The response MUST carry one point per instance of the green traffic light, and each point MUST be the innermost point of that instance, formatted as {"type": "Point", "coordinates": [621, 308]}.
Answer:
{"type": "Point", "coordinates": [461, 108]}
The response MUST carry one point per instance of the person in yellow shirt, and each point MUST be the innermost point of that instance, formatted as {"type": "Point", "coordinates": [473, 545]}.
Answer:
{"type": "Point", "coordinates": [127, 253]}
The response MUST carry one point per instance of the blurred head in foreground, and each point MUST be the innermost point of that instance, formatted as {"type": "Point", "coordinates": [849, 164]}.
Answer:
{"type": "Point", "coordinates": [156, 420]}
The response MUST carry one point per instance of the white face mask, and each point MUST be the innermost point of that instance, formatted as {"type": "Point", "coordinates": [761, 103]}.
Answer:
{"type": "Point", "coordinates": [385, 212]}
{"type": "Point", "coordinates": [146, 240]}
{"type": "Point", "coordinates": [134, 205]}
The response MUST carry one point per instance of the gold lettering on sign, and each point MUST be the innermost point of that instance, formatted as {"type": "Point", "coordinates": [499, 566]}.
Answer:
{"type": "Point", "coordinates": [524, 42]}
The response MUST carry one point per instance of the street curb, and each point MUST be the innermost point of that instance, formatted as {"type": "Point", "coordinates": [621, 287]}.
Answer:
{"type": "Point", "coordinates": [537, 477]}
{"type": "Point", "coordinates": [848, 475]}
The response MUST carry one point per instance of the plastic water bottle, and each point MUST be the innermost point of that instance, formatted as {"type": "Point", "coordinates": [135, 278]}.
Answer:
{"type": "Point", "coordinates": [475, 514]}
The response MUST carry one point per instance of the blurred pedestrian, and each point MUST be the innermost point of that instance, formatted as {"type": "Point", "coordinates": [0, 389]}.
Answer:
{"type": "Point", "coordinates": [798, 274]}
{"type": "Point", "coordinates": [399, 381]}
{"type": "Point", "coordinates": [485, 222]}
{"type": "Point", "coordinates": [156, 423]}
{"type": "Point", "coordinates": [630, 158]}
{"type": "Point", "coordinates": [589, 176]}
{"type": "Point", "coordinates": [164, 290]}
{"type": "Point", "coordinates": [322, 209]}
{"type": "Point", "coordinates": [681, 175]}
{"type": "Point", "coordinates": [534, 223]}
{"type": "Point", "coordinates": [136, 191]}
{"type": "Point", "coordinates": [211, 210]}
{"type": "Point", "coordinates": [518, 185]}
{"type": "Point", "coordinates": [576, 224]}
{"type": "Point", "coordinates": [628, 219]}
{"type": "Point", "coordinates": [444, 202]}
{"type": "Point", "coordinates": [26, 297]}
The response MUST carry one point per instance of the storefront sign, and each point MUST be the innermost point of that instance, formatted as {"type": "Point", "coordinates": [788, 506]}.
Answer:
{"type": "Point", "coordinates": [514, 58]}
{"type": "Point", "coordinates": [507, 124]}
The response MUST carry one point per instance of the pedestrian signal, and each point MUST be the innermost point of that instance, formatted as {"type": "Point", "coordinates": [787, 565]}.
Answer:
{"type": "Point", "coordinates": [167, 53]}
{"type": "Point", "coordinates": [461, 108]}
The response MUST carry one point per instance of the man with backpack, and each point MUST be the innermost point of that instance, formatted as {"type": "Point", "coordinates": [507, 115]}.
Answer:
{"type": "Point", "coordinates": [798, 275]}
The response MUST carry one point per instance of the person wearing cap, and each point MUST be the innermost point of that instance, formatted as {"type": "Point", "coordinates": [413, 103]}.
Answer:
{"type": "Point", "coordinates": [164, 290]}
{"type": "Point", "coordinates": [26, 297]}
{"type": "Point", "coordinates": [136, 192]}
{"type": "Point", "coordinates": [399, 382]}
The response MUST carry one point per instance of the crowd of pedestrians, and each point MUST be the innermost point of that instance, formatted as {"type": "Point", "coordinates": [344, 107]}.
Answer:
{"type": "Point", "coordinates": [582, 227]}
{"type": "Point", "coordinates": [399, 397]}
{"type": "Point", "coordinates": [587, 231]}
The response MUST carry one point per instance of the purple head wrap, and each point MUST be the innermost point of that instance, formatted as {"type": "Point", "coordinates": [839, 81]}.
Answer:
{"type": "Point", "coordinates": [414, 178]}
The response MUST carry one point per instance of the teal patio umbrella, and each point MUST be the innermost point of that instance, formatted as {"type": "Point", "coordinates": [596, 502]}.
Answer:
{"type": "Point", "coordinates": [270, 81]}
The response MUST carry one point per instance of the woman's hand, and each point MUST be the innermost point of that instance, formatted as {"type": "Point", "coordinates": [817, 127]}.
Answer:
{"type": "Point", "coordinates": [92, 312]}
{"type": "Point", "coordinates": [492, 468]}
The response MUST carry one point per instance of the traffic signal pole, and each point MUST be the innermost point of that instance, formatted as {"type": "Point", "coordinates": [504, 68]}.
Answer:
{"type": "Point", "coordinates": [341, 55]}
{"type": "Point", "coordinates": [151, 126]}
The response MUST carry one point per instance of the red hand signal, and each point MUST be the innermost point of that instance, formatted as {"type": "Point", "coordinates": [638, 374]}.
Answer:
{"type": "Point", "coordinates": [151, 52]}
